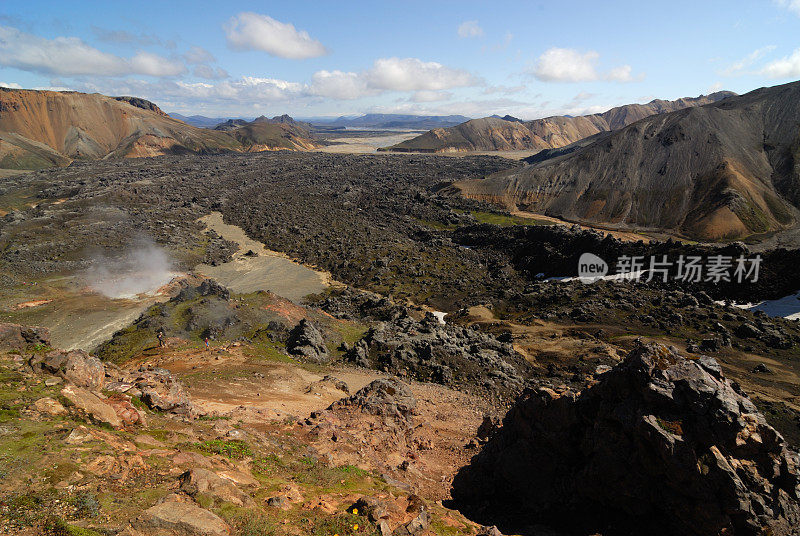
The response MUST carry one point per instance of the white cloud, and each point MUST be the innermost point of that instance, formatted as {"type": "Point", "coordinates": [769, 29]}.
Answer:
{"type": "Point", "coordinates": [155, 65]}
{"type": "Point", "coordinates": [791, 5]}
{"type": "Point", "coordinates": [390, 74]}
{"type": "Point", "coordinates": [412, 74]}
{"type": "Point", "coordinates": [470, 28]}
{"type": "Point", "coordinates": [210, 73]}
{"type": "Point", "coordinates": [623, 73]}
{"type": "Point", "coordinates": [69, 56]}
{"type": "Point", "coordinates": [566, 65]}
{"type": "Point", "coordinates": [742, 64]}
{"type": "Point", "coordinates": [199, 55]}
{"type": "Point", "coordinates": [339, 85]}
{"type": "Point", "coordinates": [570, 65]}
{"type": "Point", "coordinates": [431, 96]}
{"type": "Point", "coordinates": [716, 86]}
{"type": "Point", "coordinates": [125, 37]}
{"type": "Point", "coordinates": [786, 67]}
{"type": "Point", "coordinates": [251, 31]}
{"type": "Point", "coordinates": [10, 85]}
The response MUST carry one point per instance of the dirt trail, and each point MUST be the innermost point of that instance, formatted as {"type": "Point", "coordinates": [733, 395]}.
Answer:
{"type": "Point", "coordinates": [266, 270]}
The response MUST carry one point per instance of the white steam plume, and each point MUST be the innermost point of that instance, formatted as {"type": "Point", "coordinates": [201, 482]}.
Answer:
{"type": "Point", "coordinates": [142, 269]}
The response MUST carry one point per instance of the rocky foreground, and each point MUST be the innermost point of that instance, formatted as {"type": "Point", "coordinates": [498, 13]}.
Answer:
{"type": "Point", "coordinates": [661, 444]}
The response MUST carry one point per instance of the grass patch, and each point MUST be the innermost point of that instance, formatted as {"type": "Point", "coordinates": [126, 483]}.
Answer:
{"type": "Point", "coordinates": [505, 220]}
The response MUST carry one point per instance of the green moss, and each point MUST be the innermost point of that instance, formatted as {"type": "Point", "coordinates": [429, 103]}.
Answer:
{"type": "Point", "coordinates": [505, 220]}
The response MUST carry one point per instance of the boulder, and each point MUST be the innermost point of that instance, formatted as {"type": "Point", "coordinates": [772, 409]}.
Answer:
{"type": "Point", "coordinates": [202, 481]}
{"type": "Point", "coordinates": [305, 340]}
{"type": "Point", "coordinates": [17, 337]}
{"type": "Point", "coordinates": [178, 519]}
{"type": "Point", "coordinates": [661, 445]}
{"type": "Point", "coordinates": [84, 370]}
{"type": "Point", "coordinates": [385, 397]}
{"type": "Point", "coordinates": [91, 405]}
{"type": "Point", "coordinates": [49, 406]}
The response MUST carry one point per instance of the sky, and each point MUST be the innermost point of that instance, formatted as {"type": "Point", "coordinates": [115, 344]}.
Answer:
{"type": "Point", "coordinates": [313, 59]}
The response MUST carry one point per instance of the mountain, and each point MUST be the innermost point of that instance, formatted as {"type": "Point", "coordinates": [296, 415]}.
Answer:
{"type": "Point", "coordinates": [724, 170]}
{"type": "Point", "coordinates": [509, 133]}
{"type": "Point", "coordinates": [202, 121]}
{"type": "Point", "coordinates": [264, 134]}
{"type": "Point", "coordinates": [51, 128]}
{"type": "Point", "coordinates": [398, 121]}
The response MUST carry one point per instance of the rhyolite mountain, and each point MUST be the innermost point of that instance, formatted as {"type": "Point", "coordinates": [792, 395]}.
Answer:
{"type": "Point", "coordinates": [724, 170]}
{"type": "Point", "coordinates": [393, 121]}
{"type": "Point", "coordinates": [510, 133]}
{"type": "Point", "coordinates": [41, 129]}
{"type": "Point", "coordinates": [264, 134]}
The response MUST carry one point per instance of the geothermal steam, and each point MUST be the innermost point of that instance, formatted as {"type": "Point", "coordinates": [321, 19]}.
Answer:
{"type": "Point", "coordinates": [142, 269]}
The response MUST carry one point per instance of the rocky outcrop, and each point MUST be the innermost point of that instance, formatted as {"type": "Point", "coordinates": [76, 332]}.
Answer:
{"type": "Point", "coordinates": [661, 445]}
{"type": "Point", "coordinates": [202, 481]}
{"type": "Point", "coordinates": [173, 518]}
{"type": "Point", "coordinates": [306, 341]}
{"type": "Point", "coordinates": [451, 355]}
{"type": "Point", "coordinates": [17, 337]}
{"type": "Point", "coordinates": [385, 397]}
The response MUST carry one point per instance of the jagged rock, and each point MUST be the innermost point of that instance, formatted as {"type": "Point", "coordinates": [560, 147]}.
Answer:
{"type": "Point", "coordinates": [17, 337]}
{"type": "Point", "coordinates": [84, 370]}
{"type": "Point", "coordinates": [305, 340]}
{"type": "Point", "coordinates": [660, 445]}
{"type": "Point", "coordinates": [386, 397]}
{"type": "Point", "coordinates": [163, 392]}
{"type": "Point", "coordinates": [415, 527]}
{"type": "Point", "coordinates": [91, 405]}
{"type": "Point", "coordinates": [178, 519]}
{"type": "Point", "coordinates": [202, 481]}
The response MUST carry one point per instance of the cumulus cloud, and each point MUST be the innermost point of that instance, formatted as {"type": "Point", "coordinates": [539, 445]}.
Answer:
{"type": "Point", "coordinates": [623, 73]}
{"type": "Point", "coordinates": [339, 85]}
{"type": "Point", "coordinates": [412, 74]}
{"type": "Point", "coordinates": [570, 65]}
{"type": "Point", "coordinates": [210, 73]}
{"type": "Point", "coordinates": [251, 31]}
{"type": "Point", "coordinates": [197, 54]}
{"type": "Point", "coordinates": [10, 85]}
{"type": "Point", "coordinates": [70, 56]}
{"type": "Point", "coordinates": [470, 28]}
{"type": "Point", "coordinates": [390, 74]}
{"type": "Point", "coordinates": [739, 66]}
{"type": "Point", "coordinates": [786, 67]}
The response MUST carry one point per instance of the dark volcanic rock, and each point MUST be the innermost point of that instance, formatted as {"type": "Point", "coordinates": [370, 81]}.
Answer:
{"type": "Point", "coordinates": [386, 397]}
{"type": "Point", "coordinates": [305, 340]}
{"type": "Point", "coordinates": [661, 445]}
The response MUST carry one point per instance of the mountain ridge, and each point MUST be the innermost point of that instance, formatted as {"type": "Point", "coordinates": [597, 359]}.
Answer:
{"type": "Point", "coordinates": [724, 170]}
{"type": "Point", "coordinates": [510, 133]}
{"type": "Point", "coordinates": [41, 129]}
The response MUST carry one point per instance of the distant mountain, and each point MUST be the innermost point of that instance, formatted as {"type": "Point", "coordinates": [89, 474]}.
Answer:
{"type": "Point", "coordinates": [509, 133]}
{"type": "Point", "coordinates": [264, 134]}
{"type": "Point", "coordinates": [723, 170]}
{"type": "Point", "coordinates": [398, 121]}
{"type": "Point", "coordinates": [52, 128]}
{"type": "Point", "coordinates": [202, 121]}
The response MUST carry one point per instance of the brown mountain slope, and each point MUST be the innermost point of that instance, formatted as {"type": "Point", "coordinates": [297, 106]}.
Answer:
{"type": "Point", "coordinates": [493, 133]}
{"type": "Point", "coordinates": [723, 170]}
{"type": "Point", "coordinates": [45, 128]}
{"type": "Point", "coordinates": [283, 132]}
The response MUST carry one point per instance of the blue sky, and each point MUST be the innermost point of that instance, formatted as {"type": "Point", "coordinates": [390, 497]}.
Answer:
{"type": "Point", "coordinates": [528, 59]}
